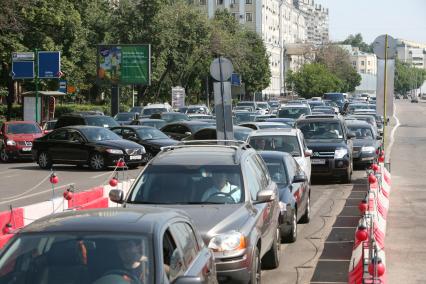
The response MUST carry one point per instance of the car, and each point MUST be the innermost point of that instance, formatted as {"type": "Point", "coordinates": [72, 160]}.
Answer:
{"type": "Point", "coordinates": [197, 109]}
{"type": "Point", "coordinates": [288, 121]}
{"type": "Point", "coordinates": [157, 123]}
{"type": "Point", "coordinates": [243, 108]}
{"type": "Point", "coordinates": [284, 140]}
{"type": "Point", "coordinates": [150, 109]}
{"type": "Point", "coordinates": [137, 109]}
{"type": "Point", "coordinates": [228, 192]}
{"type": "Point", "coordinates": [414, 99]}
{"type": "Point", "coordinates": [262, 108]}
{"type": "Point", "coordinates": [423, 96]}
{"type": "Point", "coordinates": [150, 138]}
{"type": "Point", "coordinates": [209, 133]}
{"type": "Point", "coordinates": [274, 104]}
{"type": "Point", "coordinates": [111, 245]}
{"type": "Point", "coordinates": [200, 116]}
{"type": "Point", "coordinates": [332, 104]}
{"type": "Point", "coordinates": [170, 117]}
{"type": "Point", "coordinates": [294, 191]}
{"type": "Point", "coordinates": [365, 144]}
{"type": "Point", "coordinates": [262, 118]}
{"type": "Point", "coordinates": [48, 126]}
{"type": "Point", "coordinates": [352, 107]}
{"type": "Point", "coordinates": [265, 125]}
{"type": "Point", "coordinates": [297, 102]}
{"type": "Point", "coordinates": [183, 129]}
{"type": "Point", "coordinates": [16, 139]}
{"type": "Point", "coordinates": [315, 103]}
{"type": "Point", "coordinates": [338, 98]}
{"type": "Point", "coordinates": [293, 111]}
{"type": "Point", "coordinates": [124, 118]}
{"type": "Point", "coordinates": [332, 146]}
{"type": "Point", "coordinates": [316, 99]}
{"type": "Point", "coordinates": [248, 103]}
{"type": "Point", "coordinates": [244, 116]}
{"type": "Point", "coordinates": [77, 118]}
{"type": "Point", "coordinates": [325, 110]}
{"type": "Point", "coordinates": [80, 145]}
{"type": "Point", "coordinates": [371, 119]}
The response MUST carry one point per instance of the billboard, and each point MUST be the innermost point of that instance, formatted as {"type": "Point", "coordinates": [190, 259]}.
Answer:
{"type": "Point", "coordinates": [178, 97]}
{"type": "Point", "coordinates": [124, 64]}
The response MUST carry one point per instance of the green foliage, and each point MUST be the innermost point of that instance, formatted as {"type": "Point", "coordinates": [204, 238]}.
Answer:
{"type": "Point", "coordinates": [338, 62]}
{"type": "Point", "coordinates": [313, 80]}
{"type": "Point", "coordinates": [357, 41]}
{"type": "Point", "coordinates": [407, 77]}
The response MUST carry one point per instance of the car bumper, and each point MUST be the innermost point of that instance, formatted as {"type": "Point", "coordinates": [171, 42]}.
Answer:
{"type": "Point", "coordinates": [19, 153]}
{"type": "Point", "coordinates": [234, 270]}
{"type": "Point", "coordinates": [111, 160]}
{"type": "Point", "coordinates": [364, 158]}
{"type": "Point", "coordinates": [331, 167]}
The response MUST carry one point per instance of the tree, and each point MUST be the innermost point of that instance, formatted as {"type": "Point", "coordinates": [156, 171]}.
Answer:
{"type": "Point", "coordinates": [338, 62]}
{"type": "Point", "coordinates": [407, 77]}
{"type": "Point", "coordinates": [312, 80]}
{"type": "Point", "coordinates": [357, 41]}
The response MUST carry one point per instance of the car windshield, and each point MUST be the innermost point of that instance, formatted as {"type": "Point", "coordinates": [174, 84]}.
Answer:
{"type": "Point", "coordinates": [251, 104]}
{"type": "Point", "coordinates": [23, 128]}
{"type": "Point", "coordinates": [149, 111]}
{"type": "Point", "coordinates": [277, 171]}
{"type": "Point", "coordinates": [99, 134]}
{"type": "Point", "coordinates": [195, 110]}
{"type": "Point", "coordinates": [76, 258]}
{"type": "Point", "coordinates": [282, 143]}
{"type": "Point", "coordinates": [262, 105]}
{"type": "Point", "coordinates": [154, 123]}
{"type": "Point", "coordinates": [148, 133]}
{"type": "Point", "coordinates": [172, 117]}
{"type": "Point", "coordinates": [191, 184]}
{"type": "Point", "coordinates": [321, 129]}
{"type": "Point", "coordinates": [242, 134]}
{"type": "Point", "coordinates": [103, 121]}
{"type": "Point", "coordinates": [361, 132]}
{"type": "Point", "coordinates": [124, 116]}
{"type": "Point", "coordinates": [50, 125]}
{"type": "Point", "coordinates": [245, 117]}
{"type": "Point", "coordinates": [294, 113]}
{"type": "Point", "coordinates": [334, 97]}
{"type": "Point", "coordinates": [274, 126]}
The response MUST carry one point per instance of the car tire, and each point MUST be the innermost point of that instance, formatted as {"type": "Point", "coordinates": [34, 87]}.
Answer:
{"type": "Point", "coordinates": [256, 268]}
{"type": "Point", "coordinates": [307, 215]}
{"type": "Point", "coordinates": [147, 157]}
{"type": "Point", "coordinates": [4, 157]}
{"type": "Point", "coordinates": [289, 234]}
{"type": "Point", "coordinates": [271, 260]}
{"type": "Point", "coordinates": [97, 161]}
{"type": "Point", "coordinates": [348, 177]}
{"type": "Point", "coordinates": [44, 161]}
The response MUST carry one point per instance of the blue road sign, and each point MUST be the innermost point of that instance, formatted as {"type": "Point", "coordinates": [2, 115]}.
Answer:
{"type": "Point", "coordinates": [62, 86]}
{"type": "Point", "coordinates": [49, 64]}
{"type": "Point", "coordinates": [22, 70]}
{"type": "Point", "coordinates": [235, 79]}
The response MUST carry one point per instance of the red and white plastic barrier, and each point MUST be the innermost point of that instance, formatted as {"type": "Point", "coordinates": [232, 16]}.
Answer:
{"type": "Point", "coordinates": [368, 262]}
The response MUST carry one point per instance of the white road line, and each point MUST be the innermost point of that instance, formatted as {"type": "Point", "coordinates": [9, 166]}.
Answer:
{"type": "Point", "coordinates": [35, 194]}
{"type": "Point", "coordinates": [7, 172]}
{"type": "Point", "coordinates": [100, 175]}
{"type": "Point", "coordinates": [392, 136]}
{"type": "Point", "coordinates": [9, 176]}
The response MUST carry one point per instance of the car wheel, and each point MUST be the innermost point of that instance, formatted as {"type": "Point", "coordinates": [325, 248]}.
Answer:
{"type": "Point", "coordinates": [4, 157]}
{"type": "Point", "coordinates": [290, 233]}
{"type": "Point", "coordinates": [271, 260]}
{"type": "Point", "coordinates": [307, 215]}
{"type": "Point", "coordinates": [147, 157]}
{"type": "Point", "coordinates": [97, 162]}
{"type": "Point", "coordinates": [44, 160]}
{"type": "Point", "coordinates": [255, 277]}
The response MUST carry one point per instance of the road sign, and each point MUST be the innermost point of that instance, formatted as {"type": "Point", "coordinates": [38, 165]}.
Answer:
{"type": "Point", "coordinates": [178, 97]}
{"type": "Point", "coordinates": [22, 70]}
{"type": "Point", "coordinates": [379, 47]}
{"type": "Point", "coordinates": [221, 65]}
{"type": "Point", "coordinates": [62, 86]}
{"type": "Point", "coordinates": [49, 64]}
{"type": "Point", "coordinates": [71, 89]}
{"type": "Point", "coordinates": [235, 79]}
{"type": "Point", "coordinates": [22, 56]}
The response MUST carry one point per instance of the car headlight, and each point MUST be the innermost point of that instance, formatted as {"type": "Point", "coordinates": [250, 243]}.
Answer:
{"type": "Point", "coordinates": [368, 149]}
{"type": "Point", "coordinates": [114, 151]}
{"type": "Point", "coordinates": [10, 142]}
{"type": "Point", "coordinates": [340, 153]}
{"type": "Point", "coordinates": [231, 241]}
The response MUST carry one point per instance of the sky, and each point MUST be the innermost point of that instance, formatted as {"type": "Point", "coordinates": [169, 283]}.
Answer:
{"type": "Point", "coordinates": [403, 19]}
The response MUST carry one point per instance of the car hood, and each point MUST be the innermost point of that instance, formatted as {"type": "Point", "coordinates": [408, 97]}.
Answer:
{"type": "Point", "coordinates": [325, 144]}
{"type": "Point", "coordinates": [364, 142]}
{"type": "Point", "coordinates": [24, 137]}
{"type": "Point", "coordinates": [121, 144]}
{"type": "Point", "coordinates": [160, 142]}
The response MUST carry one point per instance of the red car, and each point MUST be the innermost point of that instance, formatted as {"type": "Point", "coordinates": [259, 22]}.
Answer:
{"type": "Point", "coordinates": [16, 139]}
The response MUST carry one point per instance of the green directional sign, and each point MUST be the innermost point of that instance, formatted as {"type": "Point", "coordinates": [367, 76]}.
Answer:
{"type": "Point", "coordinates": [124, 64]}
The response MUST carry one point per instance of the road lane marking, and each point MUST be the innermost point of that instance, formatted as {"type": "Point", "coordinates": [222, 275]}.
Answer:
{"type": "Point", "coordinates": [35, 194]}
{"type": "Point", "coordinates": [100, 175]}
{"type": "Point", "coordinates": [9, 176]}
{"type": "Point", "coordinates": [392, 138]}
{"type": "Point", "coordinates": [7, 172]}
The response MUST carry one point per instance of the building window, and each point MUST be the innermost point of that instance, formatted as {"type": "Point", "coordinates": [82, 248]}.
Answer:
{"type": "Point", "coordinates": [219, 2]}
{"type": "Point", "coordinates": [249, 17]}
{"type": "Point", "coordinates": [362, 63]}
{"type": "Point", "coordinates": [249, 1]}
{"type": "Point", "coordinates": [354, 63]}
{"type": "Point", "coordinates": [369, 63]}
{"type": "Point", "coordinates": [203, 2]}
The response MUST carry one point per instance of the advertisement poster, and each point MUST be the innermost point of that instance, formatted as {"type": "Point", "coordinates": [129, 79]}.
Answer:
{"type": "Point", "coordinates": [124, 64]}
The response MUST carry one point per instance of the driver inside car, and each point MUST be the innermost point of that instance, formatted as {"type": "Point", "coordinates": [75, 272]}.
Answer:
{"type": "Point", "coordinates": [222, 187]}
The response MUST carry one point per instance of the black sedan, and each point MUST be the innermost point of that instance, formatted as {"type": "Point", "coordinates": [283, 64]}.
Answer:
{"type": "Point", "coordinates": [182, 129]}
{"type": "Point", "coordinates": [294, 191]}
{"type": "Point", "coordinates": [151, 138]}
{"type": "Point", "coordinates": [209, 133]}
{"type": "Point", "coordinates": [151, 245]}
{"type": "Point", "coordinates": [79, 145]}
{"type": "Point", "coordinates": [366, 142]}
{"type": "Point", "coordinates": [157, 123]}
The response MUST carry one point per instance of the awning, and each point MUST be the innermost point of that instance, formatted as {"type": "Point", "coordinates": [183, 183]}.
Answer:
{"type": "Point", "coordinates": [43, 93]}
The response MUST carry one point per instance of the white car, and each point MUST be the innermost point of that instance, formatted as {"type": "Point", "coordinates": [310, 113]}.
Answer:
{"type": "Point", "coordinates": [155, 108]}
{"type": "Point", "coordinates": [288, 140]}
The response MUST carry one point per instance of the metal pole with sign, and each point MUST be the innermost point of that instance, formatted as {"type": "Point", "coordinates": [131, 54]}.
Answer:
{"type": "Point", "coordinates": [36, 82]}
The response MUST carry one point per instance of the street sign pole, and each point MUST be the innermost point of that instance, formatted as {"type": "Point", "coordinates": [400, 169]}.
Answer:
{"type": "Point", "coordinates": [36, 82]}
{"type": "Point", "coordinates": [384, 92]}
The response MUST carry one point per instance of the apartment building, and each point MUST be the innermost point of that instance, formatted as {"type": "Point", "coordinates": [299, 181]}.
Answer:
{"type": "Point", "coordinates": [412, 52]}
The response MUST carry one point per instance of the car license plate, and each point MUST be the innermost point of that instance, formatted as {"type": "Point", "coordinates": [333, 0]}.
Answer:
{"type": "Point", "coordinates": [317, 161]}
{"type": "Point", "coordinates": [26, 149]}
{"type": "Point", "coordinates": [136, 157]}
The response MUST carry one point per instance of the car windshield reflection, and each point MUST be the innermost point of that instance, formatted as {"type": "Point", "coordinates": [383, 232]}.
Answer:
{"type": "Point", "coordinates": [99, 134]}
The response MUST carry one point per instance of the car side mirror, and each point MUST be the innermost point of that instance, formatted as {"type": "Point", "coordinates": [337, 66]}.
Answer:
{"type": "Point", "coordinates": [308, 153]}
{"type": "Point", "coordinates": [351, 135]}
{"type": "Point", "coordinates": [187, 280]}
{"type": "Point", "coordinates": [299, 178]}
{"type": "Point", "coordinates": [116, 195]}
{"type": "Point", "coordinates": [265, 195]}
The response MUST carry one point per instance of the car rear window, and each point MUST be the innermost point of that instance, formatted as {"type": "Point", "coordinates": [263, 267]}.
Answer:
{"type": "Point", "coordinates": [293, 113]}
{"type": "Point", "coordinates": [103, 121]}
{"type": "Point", "coordinates": [23, 128]}
{"type": "Point", "coordinates": [321, 129]}
{"type": "Point", "coordinates": [282, 143]}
